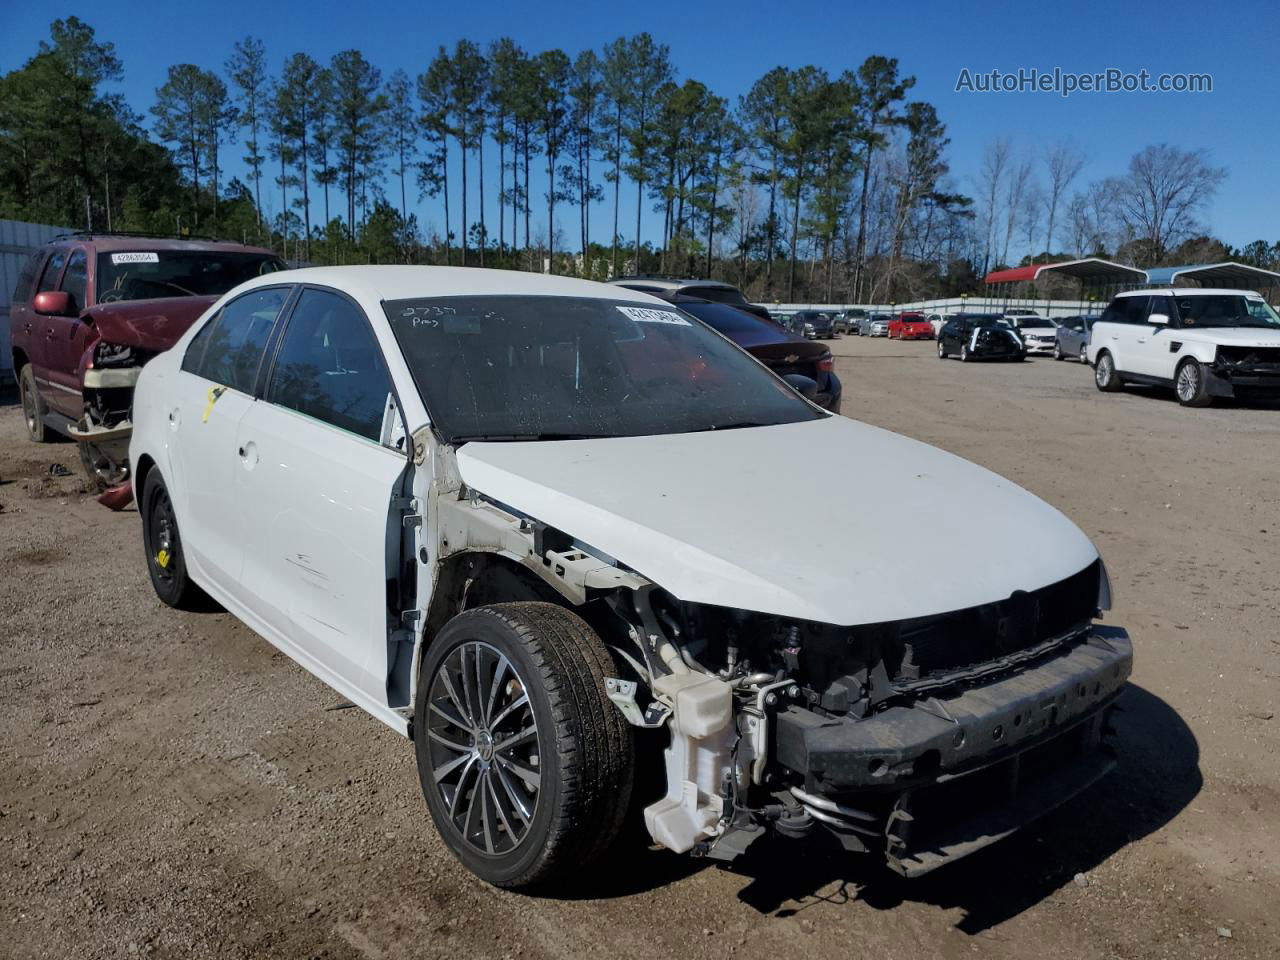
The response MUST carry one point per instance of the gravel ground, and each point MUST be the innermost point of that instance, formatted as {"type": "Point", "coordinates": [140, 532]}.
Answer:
{"type": "Point", "coordinates": [172, 787]}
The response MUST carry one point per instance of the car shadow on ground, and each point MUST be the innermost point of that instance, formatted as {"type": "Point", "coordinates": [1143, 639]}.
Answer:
{"type": "Point", "coordinates": [1156, 776]}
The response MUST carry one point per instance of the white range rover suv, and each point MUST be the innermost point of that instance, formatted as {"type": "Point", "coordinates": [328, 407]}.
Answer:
{"type": "Point", "coordinates": [532, 524]}
{"type": "Point", "coordinates": [1204, 343]}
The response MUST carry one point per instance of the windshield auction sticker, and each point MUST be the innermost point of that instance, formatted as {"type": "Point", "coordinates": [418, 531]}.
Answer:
{"type": "Point", "coordinates": [646, 315]}
{"type": "Point", "coordinates": [119, 258]}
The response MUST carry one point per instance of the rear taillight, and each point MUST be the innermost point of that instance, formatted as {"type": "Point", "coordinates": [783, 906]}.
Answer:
{"type": "Point", "coordinates": [826, 364]}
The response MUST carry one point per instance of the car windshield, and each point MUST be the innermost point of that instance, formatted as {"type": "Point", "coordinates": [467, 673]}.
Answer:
{"type": "Point", "coordinates": [1226, 310]}
{"type": "Point", "coordinates": [152, 274]}
{"type": "Point", "coordinates": [538, 367]}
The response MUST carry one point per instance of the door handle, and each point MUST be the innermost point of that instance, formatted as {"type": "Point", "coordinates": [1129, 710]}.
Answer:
{"type": "Point", "coordinates": [49, 334]}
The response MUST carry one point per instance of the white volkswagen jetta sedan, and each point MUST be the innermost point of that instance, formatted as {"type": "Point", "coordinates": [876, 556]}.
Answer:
{"type": "Point", "coordinates": [533, 524]}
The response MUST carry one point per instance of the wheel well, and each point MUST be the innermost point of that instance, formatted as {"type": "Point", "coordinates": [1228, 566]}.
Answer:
{"type": "Point", "coordinates": [19, 360]}
{"type": "Point", "coordinates": [145, 463]}
{"type": "Point", "coordinates": [465, 581]}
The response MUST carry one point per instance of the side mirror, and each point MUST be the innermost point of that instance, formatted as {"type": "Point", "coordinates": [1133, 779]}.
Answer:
{"type": "Point", "coordinates": [53, 303]}
{"type": "Point", "coordinates": [1161, 318]}
{"type": "Point", "coordinates": [805, 386]}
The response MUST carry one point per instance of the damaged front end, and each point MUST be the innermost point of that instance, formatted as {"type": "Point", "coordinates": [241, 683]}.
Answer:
{"type": "Point", "coordinates": [109, 375]}
{"type": "Point", "coordinates": [1245, 372]}
{"type": "Point", "coordinates": [921, 740]}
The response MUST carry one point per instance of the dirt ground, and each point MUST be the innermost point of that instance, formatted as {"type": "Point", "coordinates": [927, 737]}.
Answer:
{"type": "Point", "coordinates": [172, 787]}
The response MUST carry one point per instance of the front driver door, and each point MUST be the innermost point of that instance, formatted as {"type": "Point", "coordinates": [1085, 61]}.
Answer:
{"type": "Point", "coordinates": [1152, 356]}
{"type": "Point", "coordinates": [69, 338]}
{"type": "Point", "coordinates": [322, 540]}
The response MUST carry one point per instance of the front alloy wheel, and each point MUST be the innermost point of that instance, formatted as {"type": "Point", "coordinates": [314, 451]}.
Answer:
{"type": "Point", "coordinates": [1192, 385]}
{"type": "Point", "coordinates": [525, 763]}
{"type": "Point", "coordinates": [483, 741]}
{"type": "Point", "coordinates": [942, 353]}
{"type": "Point", "coordinates": [32, 406]}
{"type": "Point", "coordinates": [964, 353]}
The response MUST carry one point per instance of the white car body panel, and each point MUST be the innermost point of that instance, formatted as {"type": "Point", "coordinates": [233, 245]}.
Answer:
{"type": "Point", "coordinates": [709, 518]}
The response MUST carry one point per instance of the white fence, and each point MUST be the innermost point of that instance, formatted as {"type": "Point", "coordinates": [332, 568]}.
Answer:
{"type": "Point", "coordinates": [17, 240]}
{"type": "Point", "coordinates": [946, 307]}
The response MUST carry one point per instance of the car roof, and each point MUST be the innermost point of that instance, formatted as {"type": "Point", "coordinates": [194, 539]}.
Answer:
{"type": "Point", "coordinates": [401, 282]}
{"type": "Point", "coordinates": [1189, 292]}
{"type": "Point", "coordinates": [109, 242]}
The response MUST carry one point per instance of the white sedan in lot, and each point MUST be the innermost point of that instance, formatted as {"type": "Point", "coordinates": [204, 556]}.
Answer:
{"type": "Point", "coordinates": [518, 518]}
{"type": "Point", "coordinates": [1037, 333]}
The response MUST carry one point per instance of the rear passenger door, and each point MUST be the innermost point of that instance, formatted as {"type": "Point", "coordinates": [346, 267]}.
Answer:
{"type": "Point", "coordinates": [1118, 331]}
{"type": "Point", "coordinates": [213, 390]}
{"type": "Point", "coordinates": [321, 458]}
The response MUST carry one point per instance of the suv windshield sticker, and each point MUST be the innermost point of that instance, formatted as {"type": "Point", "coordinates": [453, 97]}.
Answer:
{"type": "Point", "coordinates": [645, 315]}
{"type": "Point", "coordinates": [119, 258]}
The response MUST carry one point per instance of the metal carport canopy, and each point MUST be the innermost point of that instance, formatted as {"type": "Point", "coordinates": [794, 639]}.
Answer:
{"type": "Point", "coordinates": [1090, 270]}
{"type": "Point", "coordinates": [1227, 274]}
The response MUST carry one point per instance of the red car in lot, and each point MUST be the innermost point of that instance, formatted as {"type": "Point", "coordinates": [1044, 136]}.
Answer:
{"type": "Point", "coordinates": [910, 326]}
{"type": "Point", "coordinates": [90, 309]}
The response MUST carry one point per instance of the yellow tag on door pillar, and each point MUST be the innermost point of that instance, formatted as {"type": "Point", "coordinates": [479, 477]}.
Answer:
{"type": "Point", "coordinates": [214, 394]}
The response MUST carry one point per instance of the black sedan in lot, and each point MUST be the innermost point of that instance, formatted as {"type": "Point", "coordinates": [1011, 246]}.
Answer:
{"type": "Point", "coordinates": [979, 336]}
{"type": "Point", "coordinates": [804, 364]}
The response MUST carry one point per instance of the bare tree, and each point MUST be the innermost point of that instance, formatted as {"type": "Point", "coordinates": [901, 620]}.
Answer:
{"type": "Point", "coordinates": [1017, 186]}
{"type": "Point", "coordinates": [990, 178]}
{"type": "Point", "coordinates": [1162, 194]}
{"type": "Point", "coordinates": [1063, 162]}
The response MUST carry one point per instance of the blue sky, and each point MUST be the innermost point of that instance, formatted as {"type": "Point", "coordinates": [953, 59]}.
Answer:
{"type": "Point", "coordinates": [728, 45]}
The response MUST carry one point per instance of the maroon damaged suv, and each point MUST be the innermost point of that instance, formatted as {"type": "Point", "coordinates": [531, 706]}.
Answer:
{"type": "Point", "coordinates": [89, 310]}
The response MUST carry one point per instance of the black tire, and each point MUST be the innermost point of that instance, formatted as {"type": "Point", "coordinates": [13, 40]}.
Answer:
{"type": "Point", "coordinates": [585, 749]}
{"type": "Point", "coordinates": [1191, 384]}
{"type": "Point", "coordinates": [33, 409]}
{"type": "Point", "coordinates": [1084, 353]}
{"type": "Point", "coordinates": [1057, 351]}
{"type": "Point", "coordinates": [942, 351]}
{"type": "Point", "coordinates": [964, 353]}
{"type": "Point", "coordinates": [1105, 376]}
{"type": "Point", "coordinates": [166, 563]}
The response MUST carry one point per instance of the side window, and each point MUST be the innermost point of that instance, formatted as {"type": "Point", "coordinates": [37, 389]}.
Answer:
{"type": "Point", "coordinates": [52, 270]}
{"type": "Point", "coordinates": [27, 278]}
{"type": "Point", "coordinates": [1135, 309]}
{"type": "Point", "coordinates": [75, 280]}
{"type": "Point", "coordinates": [228, 349]}
{"type": "Point", "coordinates": [330, 366]}
{"type": "Point", "coordinates": [1162, 305]}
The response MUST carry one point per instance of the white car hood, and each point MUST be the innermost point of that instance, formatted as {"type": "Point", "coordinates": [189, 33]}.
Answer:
{"type": "Point", "coordinates": [1229, 336]}
{"type": "Point", "coordinates": [829, 520]}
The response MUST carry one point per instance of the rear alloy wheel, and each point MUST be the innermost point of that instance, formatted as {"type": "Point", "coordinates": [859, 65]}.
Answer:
{"type": "Point", "coordinates": [1191, 385]}
{"type": "Point", "coordinates": [32, 405]}
{"type": "Point", "coordinates": [1105, 376]}
{"type": "Point", "coordinates": [1084, 353]}
{"type": "Point", "coordinates": [942, 353]}
{"type": "Point", "coordinates": [525, 764]}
